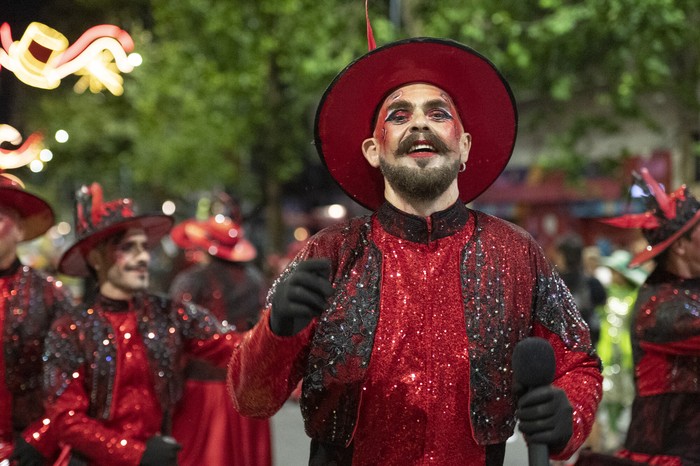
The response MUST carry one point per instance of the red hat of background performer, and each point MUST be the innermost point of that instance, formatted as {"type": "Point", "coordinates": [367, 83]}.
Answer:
{"type": "Point", "coordinates": [96, 220]}
{"type": "Point", "coordinates": [348, 107]}
{"type": "Point", "coordinates": [667, 218]}
{"type": "Point", "coordinates": [218, 235]}
{"type": "Point", "coordinates": [36, 215]}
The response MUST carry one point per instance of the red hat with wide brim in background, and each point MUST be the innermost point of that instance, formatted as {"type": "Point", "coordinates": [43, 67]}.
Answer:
{"type": "Point", "coordinates": [36, 215]}
{"type": "Point", "coordinates": [218, 235]}
{"type": "Point", "coordinates": [482, 96]}
{"type": "Point", "coordinates": [95, 221]}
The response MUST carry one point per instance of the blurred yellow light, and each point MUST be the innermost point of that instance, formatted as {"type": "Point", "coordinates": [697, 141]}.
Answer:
{"type": "Point", "coordinates": [61, 136]}
{"type": "Point", "coordinates": [36, 165]}
{"type": "Point", "coordinates": [63, 228]}
{"type": "Point", "coordinates": [168, 207]}
{"type": "Point", "coordinates": [45, 155]}
{"type": "Point", "coordinates": [301, 234]}
{"type": "Point", "coordinates": [99, 55]}
{"type": "Point", "coordinates": [336, 211]}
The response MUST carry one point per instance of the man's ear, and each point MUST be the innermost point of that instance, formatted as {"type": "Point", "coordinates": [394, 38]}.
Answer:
{"type": "Point", "coordinates": [679, 246]}
{"type": "Point", "coordinates": [465, 145]}
{"type": "Point", "coordinates": [94, 259]}
{"type": "Point", "coordinates": [370, 148]}
{"type": "Point", "coordinates": [19, 232]}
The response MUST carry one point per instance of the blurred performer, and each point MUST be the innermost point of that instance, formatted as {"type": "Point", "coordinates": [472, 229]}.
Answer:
{"type": "Point", "coordinates": [232, 288]}
{"type": "Point", "coordinates": [589, 294]}
{"type": "Point", "coordinates": [30, 301]}
{"type": "Point", "coordinates": [665, 424]}
{"type": "Point", "coordinates": [402, 323]}
{"type": "Point", "coordinates": [114, 370]}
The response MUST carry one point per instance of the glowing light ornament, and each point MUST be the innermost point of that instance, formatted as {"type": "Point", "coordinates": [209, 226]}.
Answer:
{"type": "Point", "coordinates": [24, 154]}
{"type": "Point", "coordinates": [42, 57]}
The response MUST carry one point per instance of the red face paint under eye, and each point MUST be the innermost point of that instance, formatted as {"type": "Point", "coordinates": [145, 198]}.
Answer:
{"type": "Point", "coordinates": [381, 121]}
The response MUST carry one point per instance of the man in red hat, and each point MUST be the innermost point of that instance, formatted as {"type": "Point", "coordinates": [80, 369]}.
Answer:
{"type": "Point", "coordinates": [665, 425]}
{"type": "Point", "coordinates": [113, 369]}
{"type": "Point", "coordinates": [232, 288]}
{"type": "Point", "coordinates": [402, 324]}
{"type": "Point", "coordinates": [30, 301]}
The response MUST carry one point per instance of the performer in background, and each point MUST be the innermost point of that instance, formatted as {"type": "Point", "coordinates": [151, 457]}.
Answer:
{"type": "Point", "coordinates": [589, 294]}
{"type": "Point", "coordinates": [230, 286]}
{"type": "Point", "coordinates": [402, 323]}
{"type": "Point", "coordinates": [114, 370]}
{"type": "Point", "coordinates": [30, 301]}
{"type": "Point", "coordinates": [665, 425]}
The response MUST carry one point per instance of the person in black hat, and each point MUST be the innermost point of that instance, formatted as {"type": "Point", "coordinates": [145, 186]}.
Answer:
{"type": "Point", "coordinates": [30, 301]}
{"type": "Point", "coordinates": [401, 324]}
{"type": "Point", "coordinates": [113, 369]}
{"type": "Point", "coordinates": [665, 332]}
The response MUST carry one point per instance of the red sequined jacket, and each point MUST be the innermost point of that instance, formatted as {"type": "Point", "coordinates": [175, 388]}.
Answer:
{"type": "Point", "coordinates": [509, 292]}
{"type": "Point", "coordinates": [666, 351]}
{"type": "Point", "coordinates": [30, 301]}
{"type": "Point", "coordinates": [82, 350]}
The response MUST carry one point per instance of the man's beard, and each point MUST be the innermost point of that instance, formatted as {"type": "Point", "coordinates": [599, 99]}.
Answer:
{"type": "Point", "coordinates": [419, 184]}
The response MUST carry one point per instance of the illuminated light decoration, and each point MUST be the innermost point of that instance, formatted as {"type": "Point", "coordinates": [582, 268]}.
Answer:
{"type": "Point", "coordinates": [10, 134]}
{"type": "Point", "coordinates": [23, 155]}
{"type": "Point", "coordinates": [99, 74]}
{"type": "Point", "coordinates": [42, 57]}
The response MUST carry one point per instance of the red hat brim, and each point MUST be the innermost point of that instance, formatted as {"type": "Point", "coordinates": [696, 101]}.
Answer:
{"type": "Point", "coordinates": [73, 262]}
{"type": "Point", "coordinates": [652, 251]}
{"type": "Point", "coordinates": [483, 98]}
{"type": "Point", "coordinates": [36, 215]}
{"type": "Point", "coordinates": [198, 237]}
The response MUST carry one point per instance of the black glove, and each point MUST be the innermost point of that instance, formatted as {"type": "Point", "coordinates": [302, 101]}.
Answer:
{"type": "Point", "coordinates": [546, 417]}
{"type": "Point", "coordinates": [26, 455]}
{"type": "Point", "coordinates": [160, 451]}
{"type": "Point", "coordinates": [301, 297]}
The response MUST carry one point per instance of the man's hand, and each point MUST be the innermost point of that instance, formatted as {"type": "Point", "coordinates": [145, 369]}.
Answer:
{"type": "Point", "coordinates": [546, 417]}
{"type": "Point", "coordinates": [301, 297]}
{"type": "Point", "coordinates": [160, 451]}
{"type": "Point", "coordinates": [26, 455]}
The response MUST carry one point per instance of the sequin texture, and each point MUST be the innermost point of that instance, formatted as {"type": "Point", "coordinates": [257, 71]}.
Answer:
{"type": "Point", "coordinates": [455, 292]}
{"type": "Point", "coordinates": [666, 354]}
{"type": "Point", "coordinates": [30, 301]}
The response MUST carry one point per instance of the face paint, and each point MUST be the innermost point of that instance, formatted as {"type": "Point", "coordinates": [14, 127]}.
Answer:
{"type": "Point", "coordinates": [126, 264]}
{"type": "Point", "coordinates": [419, 141]}
{"type": "Point", "coordinates": [379, 129]}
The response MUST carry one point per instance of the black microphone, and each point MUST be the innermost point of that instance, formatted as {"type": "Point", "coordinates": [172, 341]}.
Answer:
{"type": "Point", "coordinates": [533, 366]}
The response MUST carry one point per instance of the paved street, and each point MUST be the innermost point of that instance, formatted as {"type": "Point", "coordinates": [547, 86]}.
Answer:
{"type": "Point", "coordinates": [291, 445]}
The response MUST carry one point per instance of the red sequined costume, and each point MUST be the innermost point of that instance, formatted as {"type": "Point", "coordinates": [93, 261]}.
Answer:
{"type": "Point", "coordinates": [666, 352]}
{"type": "Point", "coordinates": [114, 372]}
{"type": "Point", "coordinates": [211, 430]}
{"type": "Point", "coordinates": [30, 301]}
{"type": "Point", "coordinates": [411, 362]}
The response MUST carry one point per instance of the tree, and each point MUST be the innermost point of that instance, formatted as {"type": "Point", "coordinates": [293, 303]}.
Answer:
{"type": "Point", "coordinates": [227, 91]}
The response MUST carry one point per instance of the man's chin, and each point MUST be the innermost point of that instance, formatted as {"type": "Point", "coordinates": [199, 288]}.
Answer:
{"type": "Point", "coordinates": [140, 285]}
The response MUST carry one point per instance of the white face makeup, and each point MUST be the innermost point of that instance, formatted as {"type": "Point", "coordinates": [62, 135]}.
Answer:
{"type": "Point", "coordinates": [419, 142]}
{"type": "Point", "coordinates": [122, 265]}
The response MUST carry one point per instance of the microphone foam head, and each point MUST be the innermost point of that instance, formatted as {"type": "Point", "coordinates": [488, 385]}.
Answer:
{"type": "Point", "coordinates": [533, 362]}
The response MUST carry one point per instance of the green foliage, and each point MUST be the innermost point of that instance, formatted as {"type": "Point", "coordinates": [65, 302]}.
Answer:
{"type": "Point", "coordinates": [227, 91]}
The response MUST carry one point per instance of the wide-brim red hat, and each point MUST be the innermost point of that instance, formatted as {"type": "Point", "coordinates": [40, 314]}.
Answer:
{"type": "Point", "coordinates": [36, 215]}
{"type": "Point", "coordinates": [73, 262]}
{"type": "Point", "coordinates": [667, 218]}
{"type": "Point", "coordinates": [97, 220]}
{"type": "Point", "coordinates": [482, 96]}
{"type": "Point", "coordinates": [222, 239]}
{"type": "Point", "coordinates": [653, 250]}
